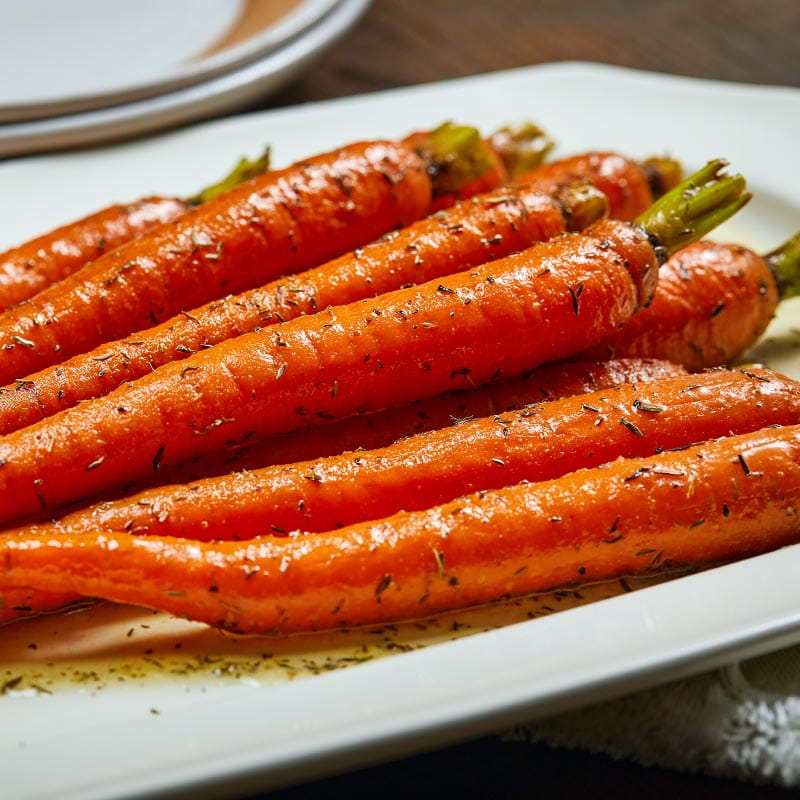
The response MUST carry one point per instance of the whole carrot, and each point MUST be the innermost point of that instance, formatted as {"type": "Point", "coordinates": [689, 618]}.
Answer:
{"type": "Point", "coordinates": [713, 303]}
{"type": "Point", "coordinates": [475, 231]}
{"type": "Point", "coordinates": [502, 318]}
{"type": "Point", "coordinates": [381, 428]}
{"type": "Point", "coordinates": [283, 221]}
{"type": "Point", "coordinates": [47, 259]}
{"type": "Point", "coordinates": [537, 443]}
{"type": "Point", "coordinates": [370, 431]}
{"type": "Point", "coordinates": [630, 186]}
{"type": "Point", "coordinates": [725, 499]}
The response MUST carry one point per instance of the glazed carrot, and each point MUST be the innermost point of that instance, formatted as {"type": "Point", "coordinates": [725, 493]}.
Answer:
{"type": "Point", "coordinates": [381, 428]}
{"type": "Point", "coordinates": [502, 318]}
{"type": "Point", "coordinates": [475, 231]}
{"type": "Point", "coordinates": [20, 602]}
{"type": "Point", "coordinates": [370, 431]}
{"type": "Point", "coordinates": [713, 303]}
{"type": "Point", "coordinates": [726, 499]}
{"type": "Point", "coordinates": [284, 221]}
{"type": "Point", "coordinates": [629, 185]}
{"type": "Point", "coordinates": [537, 443]}
{"type": "Point", "coordinates": [47, 259]}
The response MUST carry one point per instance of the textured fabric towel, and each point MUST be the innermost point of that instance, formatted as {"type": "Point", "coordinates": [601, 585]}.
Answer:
{"type": "Point", "coordinates": [741, 721]}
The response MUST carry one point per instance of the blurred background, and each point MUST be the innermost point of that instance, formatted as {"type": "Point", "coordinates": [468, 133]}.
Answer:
{"type": "Point", "coordinates": [399, 43]}
{"type": "Point", "coordinates": [148, 66]}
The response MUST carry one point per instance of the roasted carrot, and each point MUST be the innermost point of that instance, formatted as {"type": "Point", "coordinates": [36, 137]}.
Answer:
{"type": "Point", "coordinates": [281, 222]}
{"type": "Point", "coordinates": [370, 431]}
{"type": "Point", "coordinates": [482, 229]}
{"type": "Point", "coordinates": [629, 185]}
{"type": "Point", "coordinates": [726, 499]}
{"type": "Point", "coordinates": [21, 602]}
{"type": "Point", "coordinates": [381, 428]}
{"type": "Point", "coordinates": [713, 302]}
{"type": "Point", "coordinates": [540, 442]}
{"type": "Point", "coordinates": [537, 443]}
{"type": "Point", "coordinates": [47, 259]}
{"type": "Point", "coordinates": [502, 318]}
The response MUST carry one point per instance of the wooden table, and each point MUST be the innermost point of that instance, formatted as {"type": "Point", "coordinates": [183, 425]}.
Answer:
{"type": "Point", "coordinates": [405, 42]}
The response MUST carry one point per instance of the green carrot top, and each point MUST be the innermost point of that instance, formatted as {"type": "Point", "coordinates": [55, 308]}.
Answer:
{"type": "Point", "coordinates": [693, 208]}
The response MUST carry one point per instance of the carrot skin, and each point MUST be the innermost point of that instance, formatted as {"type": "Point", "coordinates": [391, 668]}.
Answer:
{"type": "Point", "coordinates": [381, 428]}
{"type": "Point", "coordinates": [283, 221]}
{"type": "Point", "coordinates": [370, 431]}
{"type": "Point", "coordinates": [476, 231]}
{"type": "Point", "coordinates": [21, 602]}
{"type": "Point", "coordinates": [461, 331]}
{"type": "Point", "coordinates": [590, 525]}
{"type": "Point", "coordinates": [47, 259]}
{"type": "Point", "coordinates": [538, 443]}
{"type": "Point", "coordinates": [713, 302]}
{"type": "Point", "coordinates": [622, 180]}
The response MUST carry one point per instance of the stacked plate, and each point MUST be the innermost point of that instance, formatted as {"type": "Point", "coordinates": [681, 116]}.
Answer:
{"type": "Point", "coordinates": [88, 71]}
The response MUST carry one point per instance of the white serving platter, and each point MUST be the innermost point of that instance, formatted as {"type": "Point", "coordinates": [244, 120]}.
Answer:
{"type": "Point", "coordinates": [70, 729]}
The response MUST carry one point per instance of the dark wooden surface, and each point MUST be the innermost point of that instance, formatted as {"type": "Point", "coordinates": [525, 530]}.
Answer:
{"type": "Point", "coordinates": [405, 42]}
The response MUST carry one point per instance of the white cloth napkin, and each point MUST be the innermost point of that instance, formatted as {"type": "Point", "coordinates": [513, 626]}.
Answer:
{"type": "Point", "coordinates": [741, 721]}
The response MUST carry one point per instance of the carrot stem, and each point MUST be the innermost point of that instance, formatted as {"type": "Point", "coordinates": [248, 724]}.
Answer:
{"type": "Point", "coordinates": [521, 147]}
{"type": "Point", "coordinates": [456, 156]}
{"type": "Point", "coordinates": [693, 208]}
{"type": "Point", "coordinates": [784, 261]}
{"type": "Point", "coordinates": [663, 174]}
{"type": "Point", "coordinates": [582, 204]}
{"type": "Point", "coordinates": [245, 170]}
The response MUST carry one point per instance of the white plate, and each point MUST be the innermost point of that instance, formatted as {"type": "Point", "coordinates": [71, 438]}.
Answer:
{"type": "Point", "coordinates": [110, 53]}
{"type": "Point", "coordinates": [211, 735]}
{"type": "Point", "coordinates": [245, 75]}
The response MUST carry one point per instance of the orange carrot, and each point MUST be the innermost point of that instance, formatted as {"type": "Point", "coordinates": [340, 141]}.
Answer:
{"type": "Point", "coordinates": [505, 317]}
{"type": "Point", "coordinates": [537, 443]}
{"type": "Point", "coordinates": [472, 233]}
{"type": "Point", "coordinates": [713, 303]}
{"type": "Point", "coordinates": [21, 602]}
{"type": "Point", "coordinates": [47, 259]}
{"type": "Point", "coordinates": [630, 186]}
{"type": "Point", "coordinates": [726, 499]}
{"type": "Point", "coordinates": [284, 221]}
{"type": "Point", "coordinates": [446, 334]}
{"type": "Point", "coordinates": [370, 431]}
{"type": "Point", "coordinates": [381, 428]}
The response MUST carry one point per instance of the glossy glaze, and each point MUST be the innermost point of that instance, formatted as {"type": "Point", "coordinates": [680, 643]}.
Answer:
{"type": "Point", "coordinates": [47, 259]}
{"type": "Point", "coordinates": [713, 302]}
{"type": "Point", "coordinates": [502, 318]}
{"type": "Point", "coordinates": [538, 443]}
{"type": "Point", "coordinates": [283, 221]}
{"type": "Point", "coordinates": [728, 498]}
{"type": "Point", "coordinates": [476, 231]}
{"type": "Point", "coordinates": [381, 428]}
